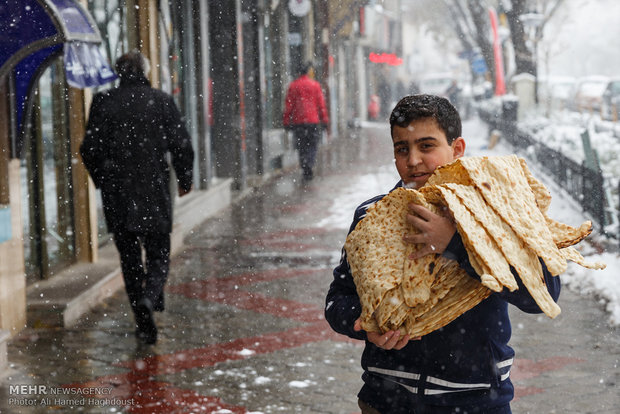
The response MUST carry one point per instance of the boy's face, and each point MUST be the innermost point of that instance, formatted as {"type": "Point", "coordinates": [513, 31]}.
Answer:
{"type": "Point", "coordinates": [420, 148]}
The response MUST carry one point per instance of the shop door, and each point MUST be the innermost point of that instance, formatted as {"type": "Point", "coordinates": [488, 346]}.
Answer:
{"type": "Point", "coordinates": [49, 242]}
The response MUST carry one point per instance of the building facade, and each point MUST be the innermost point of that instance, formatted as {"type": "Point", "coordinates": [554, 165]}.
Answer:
{"type": "Point", "coordinates": [227, 64]}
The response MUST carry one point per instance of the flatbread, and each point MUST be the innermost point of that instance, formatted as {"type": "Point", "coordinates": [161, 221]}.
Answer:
{"type": "Point", "coordinates": [500, 211]}
{"type": "Point", "coordinates": [572, 254]}
{"type": "Point", "coordinates": [458, 301]}
{"type": "Point", "coordinates": [476, 236]}
{"type": "Point", "coordinates": [375, 252]}
{"type": "Point", "coordinates": [380, 265]}
{"type": "Point", "coordinates": [503, 185]}
{"type": "Point", "coordinates": [416, 285]}
{"type": "Point", "coordinates": [541, 193]}
{"type": "Point", "coordinates": [511, 250]}
{"type": "Point", "coordinates": [564, 235]}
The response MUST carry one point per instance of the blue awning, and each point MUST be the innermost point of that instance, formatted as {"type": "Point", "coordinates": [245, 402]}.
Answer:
{"type": "Point", "coordinates": [33, 32]}
{"type": "Point", "coordinates": [27, 26]}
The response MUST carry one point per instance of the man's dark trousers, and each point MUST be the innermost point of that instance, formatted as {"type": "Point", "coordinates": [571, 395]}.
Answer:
{"type": "Point", "coordinates": [307, 138]}
{"type": "Point", "coordinates": [140, 282]}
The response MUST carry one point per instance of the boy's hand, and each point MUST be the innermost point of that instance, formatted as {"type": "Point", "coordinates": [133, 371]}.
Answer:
{"type": "Point", "coordinates": [387, 341]}
{"type": "Point", "coordinates": [435, 234]}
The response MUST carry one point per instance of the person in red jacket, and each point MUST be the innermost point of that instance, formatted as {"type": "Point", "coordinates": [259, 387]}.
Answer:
{"type": "Point", "coordinates": [305, 114]}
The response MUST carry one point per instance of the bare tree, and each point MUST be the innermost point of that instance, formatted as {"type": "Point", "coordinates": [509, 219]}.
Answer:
{"type": "Point", "coordinates": [480, 17]}
{"type": "Point", "coordinates": [524, 58]}
{"type": "Point", "coordinates": [526, 21]}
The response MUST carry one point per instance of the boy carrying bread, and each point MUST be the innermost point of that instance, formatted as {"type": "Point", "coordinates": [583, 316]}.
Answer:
{"type": "Point", "coordinates": [463, 367]}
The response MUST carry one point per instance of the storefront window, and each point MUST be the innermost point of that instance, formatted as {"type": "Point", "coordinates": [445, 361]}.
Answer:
{"type": "Point", "coordinates": [46, 174]}
{"type": "Point", "coordinates": [5, 211]}
{"type": "Point", "coordinates": [274, 67]}
{"type": "Point", "coordinates": [185, 52]}
{"type": "Point", "coordinates": [111, 19]}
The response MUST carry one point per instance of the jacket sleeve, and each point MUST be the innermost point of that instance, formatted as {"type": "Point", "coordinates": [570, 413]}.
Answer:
{"type": "Point", "coordinates": [179, 145]}
{"type": "Point", "coordinates": [342, 305]}
{"type": "Point", "coordinates": [93, 151]}
{"type": "Point", "coordinates": [521, 297]}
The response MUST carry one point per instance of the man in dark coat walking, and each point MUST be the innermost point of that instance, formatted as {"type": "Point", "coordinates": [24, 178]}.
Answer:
{"type": "Point", "coordinates": [131, 130]}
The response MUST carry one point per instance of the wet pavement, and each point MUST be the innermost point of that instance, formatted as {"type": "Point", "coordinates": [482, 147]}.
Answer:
{"type": "Point", "coordinates": [243, 330]}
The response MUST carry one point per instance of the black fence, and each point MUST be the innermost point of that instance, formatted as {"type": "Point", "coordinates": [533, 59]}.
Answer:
{"type": "Point", "coordinates": [585, 185]}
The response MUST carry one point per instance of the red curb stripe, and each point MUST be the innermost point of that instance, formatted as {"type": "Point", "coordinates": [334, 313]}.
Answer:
{"type": "Point", "coordinates": [521, 392]}
{"type": "Point", "coordinates": [225, 291]}
{"type": "Point", "coordinates": [527, 368]}
{"type": "Point", "coordinates": [230, 282]}
{"type": "Point", "coordinates": [294, 234]}
{"type": "Point", "coordinates": [282, 308]}
{"type": "Point", "coordinates": [286, 245]}
{"type": "Point", "coordinates": [230, 351]}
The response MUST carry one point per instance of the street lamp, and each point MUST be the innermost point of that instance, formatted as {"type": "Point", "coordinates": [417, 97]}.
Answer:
{"type": "Point", "coordinates": [532, 22]}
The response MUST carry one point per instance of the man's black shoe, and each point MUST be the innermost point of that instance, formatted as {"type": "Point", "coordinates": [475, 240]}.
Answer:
{"type": "Point", "coordinates": [307, 175]}
{"type": "Point", "coordinates": [147, 330]}
{"type": "Point", "coordinates": [158, 306]}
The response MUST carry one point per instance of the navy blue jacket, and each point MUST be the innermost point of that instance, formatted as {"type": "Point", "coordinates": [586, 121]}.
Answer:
{"type": "Point", "coordinates": [466, 363]}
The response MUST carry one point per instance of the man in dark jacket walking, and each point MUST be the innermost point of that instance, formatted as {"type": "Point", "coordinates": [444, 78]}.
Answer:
{"type": "Point", "coordinates": [131, 130]}
{"type": "Point", "coordinates": [306, 115]}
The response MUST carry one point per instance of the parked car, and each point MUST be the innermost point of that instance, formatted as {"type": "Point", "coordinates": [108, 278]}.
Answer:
{"type": "Point", "coordinates": [610, 109]}
{"type": "Point", "coordinates": [458, 91]}
{"type": "Point", "coordinates": [437, 84]}
{"type": "Point", "coordinates": [588, 93]}
{"type": "Point", "coordinates": [482, 90]}
{"type": "Point", "coordinates": [555, 92]}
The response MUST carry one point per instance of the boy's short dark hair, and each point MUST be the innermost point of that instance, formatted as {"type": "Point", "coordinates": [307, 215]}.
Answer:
{"type": "Point", "coordinates": [414, 107]}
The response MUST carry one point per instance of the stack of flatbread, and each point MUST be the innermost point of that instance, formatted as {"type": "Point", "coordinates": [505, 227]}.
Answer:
{"type": "Point", "coordinates": [500, 210]}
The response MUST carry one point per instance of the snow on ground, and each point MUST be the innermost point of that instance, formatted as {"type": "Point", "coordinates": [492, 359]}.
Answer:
{"type": "Point", "coordinates": [562, 132]}
{"type": "Point", "coordinates": [603, 284]}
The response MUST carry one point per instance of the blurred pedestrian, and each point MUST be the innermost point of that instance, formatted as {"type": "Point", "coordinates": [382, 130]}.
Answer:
{"type": "Point", "coordinates": [374, 107]}
{"type": "Point", "coordinates": [452, 93]}
{"type": "Point", "coordinates": [131, 130]}
{"type": "Point", "coordinates": [305, 114]}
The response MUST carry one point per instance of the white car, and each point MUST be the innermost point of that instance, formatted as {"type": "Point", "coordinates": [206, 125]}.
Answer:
{"type": "Point", "coordinates": [437, 84]}
{"type": "Point", "coordinates": [556, 91]}
{"type": "Point", "coordinates": [588, 93]}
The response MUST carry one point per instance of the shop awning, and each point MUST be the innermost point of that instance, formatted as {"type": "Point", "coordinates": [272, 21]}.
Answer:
{"type": "Point", "coordinates": [32, 32]}
{"type": "Point", "coordinates": [29, 26]}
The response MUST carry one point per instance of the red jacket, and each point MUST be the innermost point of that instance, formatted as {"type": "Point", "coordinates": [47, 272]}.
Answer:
{"type": "Point", "coordinates": [304, 103]}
